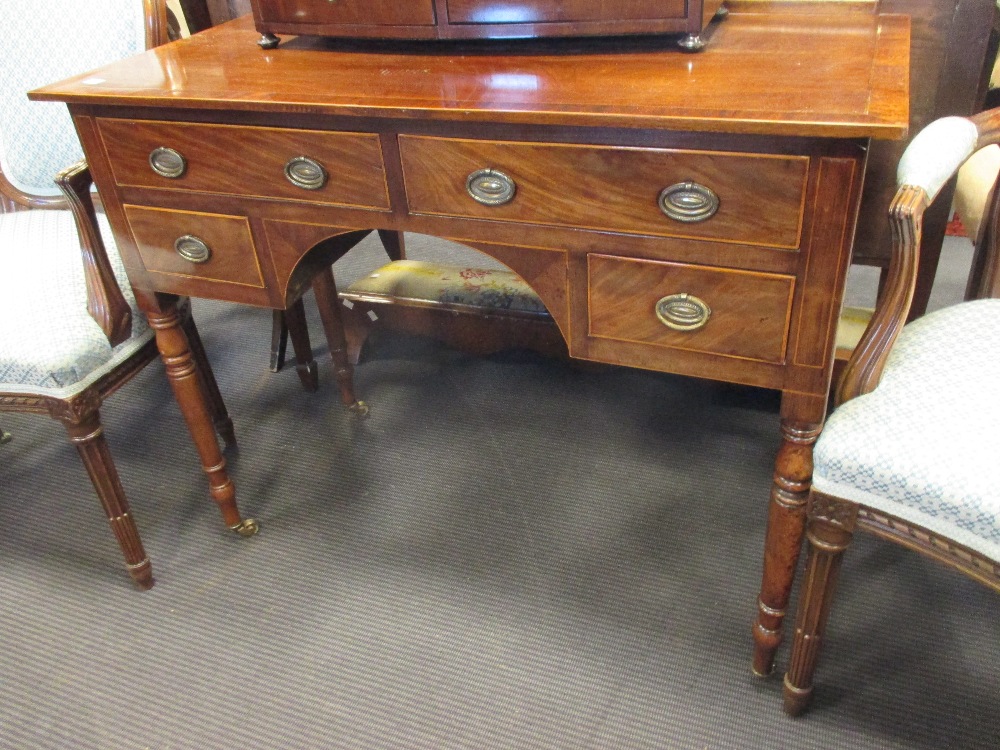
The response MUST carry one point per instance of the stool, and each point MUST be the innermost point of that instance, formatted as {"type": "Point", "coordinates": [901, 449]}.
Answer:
{"type": "Point", "coordinates": [476, 310]}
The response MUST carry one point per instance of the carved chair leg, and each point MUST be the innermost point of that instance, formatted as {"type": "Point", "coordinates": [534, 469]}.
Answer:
{"type": "Point", "coordinates": [392, 241]}
{"type": "Point", "coordinates": [785, 524]}
{"type": "Point", "coordinates": [87, 435]}
{"type": "Point", "coordinates": [831, 526]}
{"type": "Point", "coordinates": [279, 340]}
{"type": "Point", "coordinates": [325, 289]}
{"type": "Point", "coordinates": [298, 329]}
{"type": "Point", "coordinates": [182, 373]}
{"type": "Point", "coordinates": [206, 377]}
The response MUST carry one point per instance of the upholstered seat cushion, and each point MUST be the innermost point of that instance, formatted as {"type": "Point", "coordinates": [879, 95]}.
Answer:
{"type": "Point", "coordinates": [49, 344]}
{"type": "Point", "coordinates": [924, 444]}
{"type": "Point", "coordinates": [416, 280]}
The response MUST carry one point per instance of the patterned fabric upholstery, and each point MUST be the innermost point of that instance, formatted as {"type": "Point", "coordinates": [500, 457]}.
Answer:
{"type": "Point", "coordinates": [49, 344]}
{"type": "Point", "coordinates": [925, 444]}
{"type": "Point", "coordinates": [456, 285]}
{"type": "Point", "coordinates": [46, 41]}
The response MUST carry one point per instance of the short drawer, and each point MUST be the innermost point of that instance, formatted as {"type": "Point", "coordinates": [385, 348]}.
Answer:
{"type": "Point", "coordinates": [186, 246]}
{"type": "Point", "coordinates": [353, 12]}
{"type": "Point", "coordinates": [721, 311]}
{"type": "Point", "coordinates": [304, 165]}
{"type": "Point", "coordinates": [747, 198]}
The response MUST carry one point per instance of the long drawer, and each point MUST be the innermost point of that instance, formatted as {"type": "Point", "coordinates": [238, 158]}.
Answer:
{"type": "Point", "coordinates": [735, 197]}
{"type": "Point", "coordinates": [699, 308]}
{"type": "Point", "coordinates": [303, 165]}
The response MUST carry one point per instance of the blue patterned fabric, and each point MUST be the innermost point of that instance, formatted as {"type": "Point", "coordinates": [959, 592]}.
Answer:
{"type": "Point", "coordinates": [925, 444]}
{"type": "Point", "coordinates": [46, 41]}
{"type": "Point", "coordinates": [49, 344]}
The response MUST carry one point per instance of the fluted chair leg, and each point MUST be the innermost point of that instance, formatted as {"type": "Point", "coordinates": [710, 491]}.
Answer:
{"type": "Point", "coordinates": [87, 435]}
{"type": "Point", "coordinates": [829, 533]}
{"type": "Point", "coordinates": [206, 377]}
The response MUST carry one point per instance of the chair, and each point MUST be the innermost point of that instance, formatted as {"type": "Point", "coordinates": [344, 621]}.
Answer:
{"type": "Point", "coordinates": [910, 454]}
{"type": "Point", "coordinates": [70, 332]}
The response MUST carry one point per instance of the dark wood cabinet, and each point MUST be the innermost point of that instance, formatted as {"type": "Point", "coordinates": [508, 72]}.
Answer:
{"type": "Point", "coordinates": [483, 19]}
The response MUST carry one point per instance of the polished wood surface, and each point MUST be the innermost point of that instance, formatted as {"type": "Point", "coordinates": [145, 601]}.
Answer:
{"type": "Point", "coordinates": [775, 116]}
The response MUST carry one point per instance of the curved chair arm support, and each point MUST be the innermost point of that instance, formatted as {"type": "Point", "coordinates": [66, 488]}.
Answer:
{"type": "Point", "coordinates": [157, 30]}
{"type": "Point", "coordinates": [105, 301]}
{"type": "Point", "coordinates": [28, 200]}
{"type": "Point", "coordinates": [931, 159]}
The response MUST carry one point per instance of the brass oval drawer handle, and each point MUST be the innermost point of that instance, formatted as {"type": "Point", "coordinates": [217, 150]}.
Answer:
{"type": "Point", "coordinates": [683, 312]}
{"type": "Point", "coordinates": [167, 162]}
{"type": "Point", "coordinates": [688, 202]}
{"type": "Point", "coordinates": [192, 248]}
{"type": "Point", "coordinates": [490, 187]}
{"type": "Point", "coordinates": [305, 173]}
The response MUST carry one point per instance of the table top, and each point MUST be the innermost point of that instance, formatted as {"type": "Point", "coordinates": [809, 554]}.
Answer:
{"type": "Point", "coordinates": [834, 73]}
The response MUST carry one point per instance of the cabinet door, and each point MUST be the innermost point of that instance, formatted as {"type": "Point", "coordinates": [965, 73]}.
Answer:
{"type": "Point", "coordinates": [356, 12]}
{"type": "Point", "coordinates": [547, 11]}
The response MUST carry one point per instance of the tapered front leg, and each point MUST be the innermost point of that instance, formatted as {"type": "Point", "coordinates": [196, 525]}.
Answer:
{"type": "Point", "coordinates": [325, 289]}
{"type": "Point", "coordinates": [298, 329]}
{"type": "Point", "coordinates": [188, 390]}
{"type": "Point", "coordinates": [830, 530]}
{"type": "Point", "coordinates": [801, 422]}
{"type": "Point", "coordinates": [86, 433]}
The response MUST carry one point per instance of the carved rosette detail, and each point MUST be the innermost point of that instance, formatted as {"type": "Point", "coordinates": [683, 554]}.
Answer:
{"type": "Point", "coordinates": [833, 510]}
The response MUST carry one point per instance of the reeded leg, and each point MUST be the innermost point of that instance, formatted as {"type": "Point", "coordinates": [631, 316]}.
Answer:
{"type": "Point", "coordinates": [206, 377]}
{"type": "Point", "coordinates": [393, 243]}
{"type": "Point", "coordinates": [87, 435]}
{"type": "Point", "coordinates": [785, 523]}
{"type": "Point", "coordinates": [189, 393]}
{"type": "Point", "coordinates": [325, 289]}
{"type": "Point", "coordinates": [831, 527]}
{"type": "Point", "coordinates": [279, 340]}
{"type": "Point", "coordinates": [298, 329]}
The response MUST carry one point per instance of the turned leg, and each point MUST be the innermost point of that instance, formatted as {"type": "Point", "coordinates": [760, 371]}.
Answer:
{"type": "Point", "coordinates": [325, 289]}
{"type": "Point", "coordinates": [87, 435]}
{"type": "Point", "coordinates": [298, 329]}
{"type": "Point", "coordinates": [801, 422]}
{"type": "Point", "coordinates": [182, 374]}
{"type": "Point", "coordinates": [831, 527]}
{"type": "Point", "coordinates": [206, 377]}
{"type": "Point", "coordinates": [279, 340]}
{"type": "Point", "coordinates": [393, 243]}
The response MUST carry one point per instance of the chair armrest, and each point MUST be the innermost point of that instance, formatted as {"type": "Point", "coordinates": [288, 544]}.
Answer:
{"type": "Point", "coordinates": [930, 160]}
{"type": "Point", "coordinates": [105, 301]}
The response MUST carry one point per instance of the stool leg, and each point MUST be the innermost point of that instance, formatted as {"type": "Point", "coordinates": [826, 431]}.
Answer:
{"type": "Point", "coordinates": [325, 289]}
{"type": "Point", "coordinates": [395, 246]}
{"type": "Point", "coordinates": [87, 435]}
{"type": "Point", "coordinates": [279, 340]}
{"type": "Point", "coordinates": [298, 329]}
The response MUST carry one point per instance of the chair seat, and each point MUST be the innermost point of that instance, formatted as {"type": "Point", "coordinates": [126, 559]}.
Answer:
{"type": "Point", "coordinates": [51, 345]}
{"type": "Point", "coordinates": [923, 446]}
{"type": "Point", "coordinates": [451, 285]}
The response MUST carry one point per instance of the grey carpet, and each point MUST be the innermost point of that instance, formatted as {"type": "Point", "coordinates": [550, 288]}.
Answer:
{"type": "Point", "coordinates": [511, 552]}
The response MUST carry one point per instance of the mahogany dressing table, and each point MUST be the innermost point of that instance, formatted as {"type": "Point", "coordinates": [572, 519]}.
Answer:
{"type": "Point", "coordinates": [690, 214]}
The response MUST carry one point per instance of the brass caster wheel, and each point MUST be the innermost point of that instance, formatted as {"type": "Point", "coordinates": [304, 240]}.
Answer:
{"type": "Point", "coordinates": [246, 527]}
{"type": "Point", "coordinates": [359, 409]}
{"type": "Point", "coordinates": [5, 437]}
{"type": "Point", "coordinates": [268, 41]}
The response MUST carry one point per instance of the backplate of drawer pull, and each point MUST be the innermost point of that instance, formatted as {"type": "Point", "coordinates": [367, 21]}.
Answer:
{"type": "Point", "coordinates": [167, 162]}
{"type": "Point", "coordinates": [192, 248]}
{"type": "Point", "coordinates": [305, 173]}
{"type": "Point", "coordinates": [688, 202]}
{"type": "Point", "coordinates": [490, 187]}
{"type": "Point", "coordinates": [683, 312]}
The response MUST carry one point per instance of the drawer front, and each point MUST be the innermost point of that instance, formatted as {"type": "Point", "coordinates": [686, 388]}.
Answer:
{"type": "Point", "coordinates": [548, 11]}
{"type": "Point", "coordinates": [758, 199]}
{"type": "Point", "coordinates": [746, 314]}
{"type": "Point", "coordinates": [363, 12]}
{"type": "Point", "coordinates": [248, 161]}
{"type": "Point", "coordinates": [230, 259]}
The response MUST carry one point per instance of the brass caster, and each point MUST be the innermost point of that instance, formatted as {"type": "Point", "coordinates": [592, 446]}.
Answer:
{"type": "Point", "coordinates": [692, 43]}
{"type": "Point", "coordinates": [268, 41]}
{"type": "Point", "coordinates": [5, 437]}
{"type": "Point", "coordinates": [359, 409]}
{"type": "Point", "coordinates": [246, 527]}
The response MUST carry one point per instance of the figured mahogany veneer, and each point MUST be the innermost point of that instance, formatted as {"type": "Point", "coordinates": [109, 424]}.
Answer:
{"type": "Point", "coordinates": [773, 118]}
